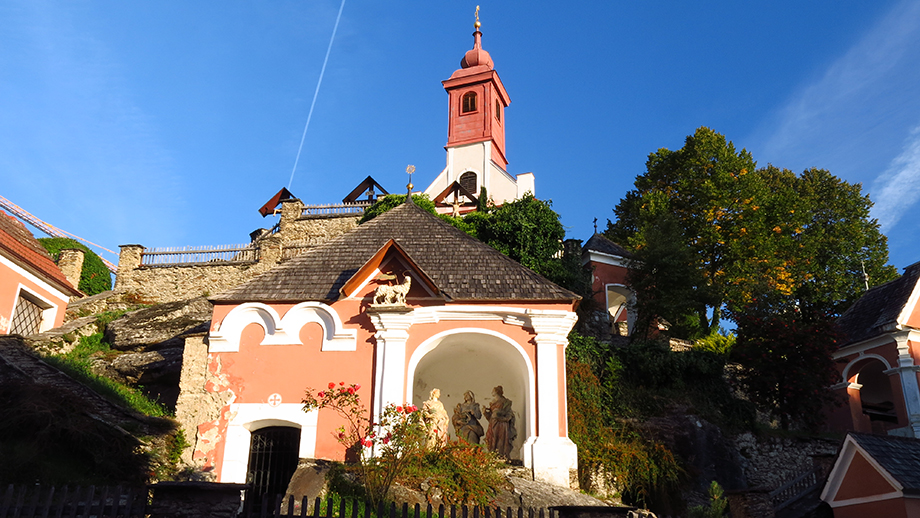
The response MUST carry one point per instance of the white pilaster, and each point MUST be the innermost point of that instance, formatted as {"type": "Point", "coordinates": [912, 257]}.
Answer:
{"type": "Point", "coordinates": [910, 389]}
{"type": "Point", "coordinates": [552, 454]}
{"type": "Point", "coordinates": [392, 327]}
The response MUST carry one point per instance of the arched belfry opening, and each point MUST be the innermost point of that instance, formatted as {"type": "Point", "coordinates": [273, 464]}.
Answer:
{"type": "Point", "coordinates": [475, 361]}
{"type": "Point", "coordinates": [875, 393]}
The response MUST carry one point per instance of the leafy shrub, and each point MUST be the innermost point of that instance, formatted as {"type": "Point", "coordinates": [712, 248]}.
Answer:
{"type": "Point", "coordinates": [399, 436]}
{"type": "Point", "coordinates": [464, 473]}
{"type": "Point", "coordinates": [717, 343]}
{"type": "Point", "coordinates": [644, 472]}
{"type": "Point", "coordinates": [95, 276]}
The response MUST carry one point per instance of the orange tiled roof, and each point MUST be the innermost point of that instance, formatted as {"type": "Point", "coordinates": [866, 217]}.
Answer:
{"type": "Point", "coordinates": [21, 246]}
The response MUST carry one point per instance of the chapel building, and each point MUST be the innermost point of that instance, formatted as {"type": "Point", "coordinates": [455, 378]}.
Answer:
{"type": "Point", "coordinates": [467, 319]}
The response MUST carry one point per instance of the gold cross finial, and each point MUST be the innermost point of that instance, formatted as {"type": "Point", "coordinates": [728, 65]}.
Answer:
{"type": "Point", "coordinates": [477, 24]}
{"type": "Point", "coordinates": [410, 169]}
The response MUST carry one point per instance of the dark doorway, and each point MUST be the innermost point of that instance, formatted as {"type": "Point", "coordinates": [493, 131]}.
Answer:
{"type": "Point", "coordinates": [273, 458]}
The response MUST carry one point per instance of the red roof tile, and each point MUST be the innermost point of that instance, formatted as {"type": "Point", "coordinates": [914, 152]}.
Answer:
{"type": "Point", "coordinates": [21, 246]}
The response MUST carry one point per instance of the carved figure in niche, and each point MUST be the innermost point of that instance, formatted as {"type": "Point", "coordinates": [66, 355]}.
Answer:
{"type": "Point", "coordinates": [436, 420]}
{"type": "Point", "coordinates": [395, 294]}
{"type": "Point", "coordinates": [466, 419]}
{"type": "Point", "coordinates": [501, 424]}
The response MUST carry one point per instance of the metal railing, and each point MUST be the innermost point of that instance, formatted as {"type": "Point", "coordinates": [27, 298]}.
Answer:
{"type": "Point", "coordinates": [790, 492]}
{"type": "Point", "coordinates": [172, 256]}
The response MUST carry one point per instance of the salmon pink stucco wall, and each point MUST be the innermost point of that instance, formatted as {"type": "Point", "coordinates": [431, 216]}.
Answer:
{"type": "Point", "coordinates": [14, 278]}
{"type": "Point", "coordinates": [253, 373]}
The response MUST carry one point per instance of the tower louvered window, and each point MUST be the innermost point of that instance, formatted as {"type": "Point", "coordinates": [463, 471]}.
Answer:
{"type": "Point", "coordinates": [27, 319]}
{"type": "Point", "coordinates": [469, 102]}
{"type": "Point", "coordinates": [468, 181]}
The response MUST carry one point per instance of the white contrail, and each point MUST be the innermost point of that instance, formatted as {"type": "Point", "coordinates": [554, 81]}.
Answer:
{"type": "Point", "coordinates": [316, 93]}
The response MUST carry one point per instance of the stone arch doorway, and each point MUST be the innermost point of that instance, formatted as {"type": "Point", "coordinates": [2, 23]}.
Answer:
{"type": "Point", "coordinates": [476, 360]}
{"type": "Point", "coordinates": [273, 458]}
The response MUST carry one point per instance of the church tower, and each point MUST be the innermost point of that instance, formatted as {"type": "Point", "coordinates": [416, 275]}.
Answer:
{"type": "Point", "coordinates": [476, 131]}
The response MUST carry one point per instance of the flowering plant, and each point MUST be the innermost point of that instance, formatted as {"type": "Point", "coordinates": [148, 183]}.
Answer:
{"type": "Point", "coordinates": [381, 449]}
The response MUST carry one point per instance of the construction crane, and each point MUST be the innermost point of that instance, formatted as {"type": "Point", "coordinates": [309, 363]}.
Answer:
{"type": "Point", "coordinates": [50, 229]}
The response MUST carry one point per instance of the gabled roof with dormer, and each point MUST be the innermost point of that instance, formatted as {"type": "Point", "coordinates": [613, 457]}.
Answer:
{"type": "Point", "coordinates": [461, 267]}
{"type": "Point", "coordinates": [881, 308]}
{"type": "Point", "coordinates": [21, 247]}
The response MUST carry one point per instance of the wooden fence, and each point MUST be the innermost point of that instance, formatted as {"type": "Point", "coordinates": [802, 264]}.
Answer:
{"type": "Point", "coordinates": [171, 256]}
{"type": "Point", "coordinates": [336, 208]}
{"type": "Point", "coordinates": [348, 508]}
{"type": "Point", "coordinates": [54, 502]}
{"type": "Point", "coordinates": [38, 501]}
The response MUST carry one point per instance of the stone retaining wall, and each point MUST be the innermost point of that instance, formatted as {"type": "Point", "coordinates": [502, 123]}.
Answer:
{"type": "Point", "coordinates": [169, 283]}
{"type": "Point", "coordinates": [769, 462]}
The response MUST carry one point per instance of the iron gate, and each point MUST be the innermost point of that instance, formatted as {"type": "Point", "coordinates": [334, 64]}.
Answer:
{"type": "Point", "coordinates": [273, 458]}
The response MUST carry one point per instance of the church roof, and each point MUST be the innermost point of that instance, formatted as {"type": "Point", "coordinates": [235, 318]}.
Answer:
{"type": "Point", "coordinates": [877, 311]}
{"type": "Point", "coordinates": [17, 243]}
{"type": "Point", "coordinates": [462, 267]}
{"type": "Point", "coordinates": [599, 243]}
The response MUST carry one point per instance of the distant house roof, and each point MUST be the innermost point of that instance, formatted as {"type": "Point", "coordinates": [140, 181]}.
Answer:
{"type": "Point", "coordinates": [899, 456]}
{"type": "Point", "coordinates": [22, 248]}
{"type": "Point", "coordinates": [599, 243]}
{"type": "Point", "coordinates": [879, 308]}
{"type": "Point", "coordinates": [272, 204]}
{"type": "Point", "coordinates": [358, 192]}
{"type": "Point", "coordinates": [462, 267]}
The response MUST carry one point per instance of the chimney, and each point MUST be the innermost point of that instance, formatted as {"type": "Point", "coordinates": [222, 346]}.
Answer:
{"type": "Point", "coordinates": [71, 264]}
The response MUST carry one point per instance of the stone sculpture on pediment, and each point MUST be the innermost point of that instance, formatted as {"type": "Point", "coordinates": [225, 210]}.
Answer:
{"type": "Point", "coordinates": [393, 295]}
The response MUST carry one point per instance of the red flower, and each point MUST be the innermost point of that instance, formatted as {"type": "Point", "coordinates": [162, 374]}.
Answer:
{"type": "Point", "coordinates": [357, 386]}
{"type": "Point", "coordinates": [413, 408]}
{"type": "Point", "coordinates": [341, 383]}
{"type": "Point", "coordinates": [399, 409]}
{"type": "Point", "coordinates": [341, 435]}
{"type": "Point", "coordinates": [351, 390]}
{"type": "Point", "coordinates": [321, 394]}
{"type": "Point", "coordinates": [331, 385]}
{"type": "Point", "coordinates": [386, 440]}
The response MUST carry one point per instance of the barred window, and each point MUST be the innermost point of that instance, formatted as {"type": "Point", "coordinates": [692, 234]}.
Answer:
{"type": "Point", "coordinates": [27, 319]}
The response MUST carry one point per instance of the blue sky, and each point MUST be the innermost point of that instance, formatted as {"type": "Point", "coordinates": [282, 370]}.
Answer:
{"type": "Point", "coordinates": [171, 123]}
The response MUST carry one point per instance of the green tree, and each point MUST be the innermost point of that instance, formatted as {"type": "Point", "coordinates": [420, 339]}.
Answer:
{"type": "Point", "coordinates": [95, 276]}
{"type": "Point", "coordinates": [703, 187]}
{"type": "Point", "coordinates": [786, 361]}
{"type": "Point", "coordinates": [735, 234]}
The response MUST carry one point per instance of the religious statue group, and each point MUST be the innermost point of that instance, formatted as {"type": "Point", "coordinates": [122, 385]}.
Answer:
{"type": "Point", "coordinates": [500, 434]}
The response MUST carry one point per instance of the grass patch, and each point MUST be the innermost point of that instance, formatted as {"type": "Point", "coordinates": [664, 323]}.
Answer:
{"type": "Point", "coordinates": [77, 364]}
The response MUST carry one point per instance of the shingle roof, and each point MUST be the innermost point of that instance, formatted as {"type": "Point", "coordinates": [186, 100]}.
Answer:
{"type": "Point", "coordinates": [463, 268]}
{"type": "Point", "coordinates": [599, 243]}
{"type": "Point", "coordinates": [878, 308]}
{"type": "Point", "coordinates": [25, 250]}
{"type": "Point", "coordinates": [900, 456]}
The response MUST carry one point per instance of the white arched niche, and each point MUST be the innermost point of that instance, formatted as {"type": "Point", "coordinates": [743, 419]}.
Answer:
{"type": "Point", "coordinates": [475, 359]}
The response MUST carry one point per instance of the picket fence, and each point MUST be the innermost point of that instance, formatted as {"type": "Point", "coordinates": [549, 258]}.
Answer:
{"type": "Point", "coordinates": [39, 501]}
